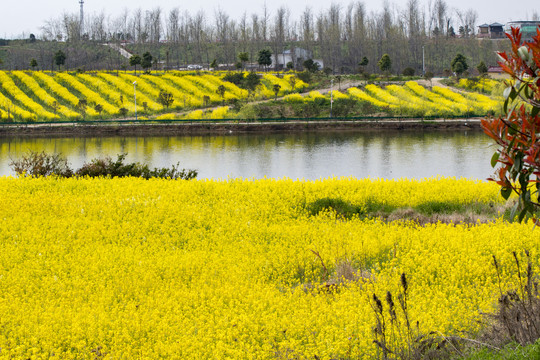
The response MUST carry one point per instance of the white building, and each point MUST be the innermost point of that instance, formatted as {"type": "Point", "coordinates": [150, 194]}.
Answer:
{"type": "Point", "coordinates": [297, 56]}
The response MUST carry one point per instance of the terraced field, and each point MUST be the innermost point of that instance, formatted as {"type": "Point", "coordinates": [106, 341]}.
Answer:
{"type": "Point", "coordinates": [46, 96]}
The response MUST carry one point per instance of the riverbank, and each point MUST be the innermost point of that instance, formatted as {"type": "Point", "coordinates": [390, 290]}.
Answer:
{"type": "Point", "coordinates": [242, 127]}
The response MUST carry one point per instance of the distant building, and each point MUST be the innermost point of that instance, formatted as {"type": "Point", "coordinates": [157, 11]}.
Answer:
{"type": "Point", "coordinates": [296, 56]}
{"type": "Point", "coordinates": [495, 70]}
{"type": "Point", "coordinates": [528, 28]}
{"type": "Point", "coordinates": [491, 31]}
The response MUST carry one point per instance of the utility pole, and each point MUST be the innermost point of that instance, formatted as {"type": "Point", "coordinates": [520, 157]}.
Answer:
{"type": "Point", "coordinates": [423, 62]}
{"type": "Point", "coordinates": [81, 20]}
{"type": "Point", "coordinates": [135, 96]}
{"type": "Point", "coordinates": [331, 96]}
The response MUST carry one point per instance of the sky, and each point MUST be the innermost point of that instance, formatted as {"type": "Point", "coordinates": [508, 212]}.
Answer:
{"type": "Point", "coordinates": [23, 17]}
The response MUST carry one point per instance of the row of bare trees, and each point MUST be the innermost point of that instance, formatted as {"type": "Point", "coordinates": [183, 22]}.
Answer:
{"type": "Point", "coordinates": [341, 35]}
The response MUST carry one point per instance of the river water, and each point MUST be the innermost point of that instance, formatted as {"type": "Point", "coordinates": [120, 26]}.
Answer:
{"type": "Point", "coordinates": [311, 155]}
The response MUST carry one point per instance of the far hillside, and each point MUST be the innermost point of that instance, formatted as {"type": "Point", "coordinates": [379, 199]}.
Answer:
{"type": "Point", "coordinates": [45, 96]}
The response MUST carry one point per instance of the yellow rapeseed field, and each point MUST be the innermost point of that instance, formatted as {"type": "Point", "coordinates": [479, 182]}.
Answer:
{"type": "Point", "coordinates": [226, 269]}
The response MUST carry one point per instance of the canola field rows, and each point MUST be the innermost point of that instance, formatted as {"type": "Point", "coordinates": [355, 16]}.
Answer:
{"type": "Point", "coordinates": [226, 269]}
{"type": "Point", "coordinates": [47, 96]}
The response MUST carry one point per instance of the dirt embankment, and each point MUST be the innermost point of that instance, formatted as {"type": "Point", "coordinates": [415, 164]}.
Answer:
{"type": "Point", "coordinates": [162, 129]}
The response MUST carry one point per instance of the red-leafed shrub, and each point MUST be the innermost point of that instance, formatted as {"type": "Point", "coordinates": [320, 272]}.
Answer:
{"type": "Point", "coordinates": [517, 132]}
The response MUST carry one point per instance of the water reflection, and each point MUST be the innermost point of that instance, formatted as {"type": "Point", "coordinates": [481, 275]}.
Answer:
{"type": "Point", "coordinates": [296, 155]}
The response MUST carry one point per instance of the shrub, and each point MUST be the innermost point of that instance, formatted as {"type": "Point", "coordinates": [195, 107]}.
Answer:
{"type": "Point", "coordinates": [516, 132]}
{"type": "Point", "coordinates": [107, 167]}
{"type": "Point", "coordinates": [408, 71]}
{"type": "Point", "coordinates": [344, 106]}
{"type": "Point", "coordinates": [41, 164]}
{"type": "Point", "coordinates": [235, 78]}
{"type": "Point", "coordinates": [305, 76]}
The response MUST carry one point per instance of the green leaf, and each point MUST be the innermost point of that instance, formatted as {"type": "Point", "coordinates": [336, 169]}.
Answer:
{"type": "Point", "coordinates": [513, 94]}
{"type": "Point", "coordinates": [506, 192]}
{"type": "Point", "coordinates": [494, 159]}
{"type": "Point", "coordinates": [534, 111]}
{"type": "Point", "coordinates": [522, 214]}
{"type": "Point", "coordinates": [514, 210]}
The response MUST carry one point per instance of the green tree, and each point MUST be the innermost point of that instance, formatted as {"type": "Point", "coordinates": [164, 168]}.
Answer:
{"type": "Point", "coordinates": [135, 60]}
{"type": "Point", "coordinates": [165, 98]}
{"type": "Point", "coordinates": [264, 58]}
{"type": "Point", "coordinates": [221, 92]}
{"type": "Point", "coordinates": [146, 61]}
{"type": "Point", "coordinates": [516, 132]}
{"type": "Point", "coordinates": [429, 76]}
{"type": "Point", "coordinates": [459, 64]}
{"type": "Point", "coordinates": [123, 111]}
{"type": "Point", "coordinates": [206, 100]}
{"type": "Point", "coordinates": [292, 81]}
{"type": "Point", "coordinates": [82, 105]}
{"type": "Point", "coordinates": [482, 68]}
{"type": "Point", "coordinates": [363, 64]}
{"type": "Point", "coordinates": [276, 89]}
{"type": "Point", "coordinates": [243, 57]}
{"type": "Point", "coordinates": [311, 65]}
{"type": "Point", "coordinates": [385, 64]}
{"type": "Point", "coordinates": [33, 63]}
{"type": "Point", "coordinates": [214, 64]}
{"type": "Point", "coordinates": [251, 81]}
{"type": "Point", "coordinates": [59, 58]}
{"type": "Point", "coordinates": [55, 106]}
{"type": "Point", "coordinates": [98, 108]}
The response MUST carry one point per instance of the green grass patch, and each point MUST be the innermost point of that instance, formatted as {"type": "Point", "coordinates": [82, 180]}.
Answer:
{"type": "Point", "coordinates": [509, 352]}
{"type": "Point", "coordinates": [428, 212]}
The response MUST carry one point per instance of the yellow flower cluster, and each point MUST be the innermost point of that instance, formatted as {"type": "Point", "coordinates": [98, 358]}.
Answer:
{"type": "Point", "coordinates": [420, 105]}
{"type": "Point", "coordinates": [91, 96]}
{"type": "Point", "coordinates": [294, 98]}
{"type": "Point", "coordinates": [484, 102]}
{"type": "Point", "coordinates": [472, 105]}
{"type": "Point", "coordinates": [168, 116]}
{"type": "Point", "coordinates": [270, 80]}
{"type": "Point", "coordinates": [11, 110]}
{"type": "Point", "coordinates": [24, 101]}
{"type": "Point", "coordinates": [142, 85]}
{"type": "Point", "coordinates": [486, 85]}
{"type": "Point", "coordinates": [126, 88]}
{"type": "Point", "coordinates": [363, 96]}
{"type": "Point", "coordinates": [163, 85]}
{"type": "Point", "coordinates": [55, 87]}
{"type": "Point", "coordinates": [221, 112]}
{"type": "Point", "coordinates": [195, 115]}
{"type": "Point", "coordinates": [128, 268]}
{"type": "Point", "coordinates": [112, 94]}
{"type": "Point", "coordinates": [231, 88]}
{"type": "Point", "coordinates": [195, 96]}
{"type": "Point", "coordinates": [456, 108]}
{"type": "Point", "coordinates": [337, 95]}
{"type": "Point", "coordinates": [42, 95]}
{"type": "Point", "coordinates": [315, 95]}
